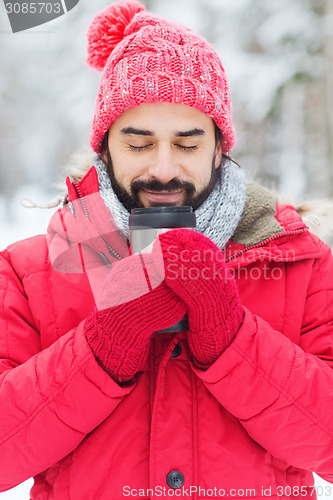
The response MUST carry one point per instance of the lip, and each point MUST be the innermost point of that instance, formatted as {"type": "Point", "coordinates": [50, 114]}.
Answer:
{"type": "Point", "coordinates": [163, 196]}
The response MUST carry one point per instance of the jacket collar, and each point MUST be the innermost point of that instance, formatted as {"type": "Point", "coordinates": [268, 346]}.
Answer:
{"type": "Point", "coordinates": [83, 230]}
{"type": "Point", "coordinates": [84, 187]}
{"type": "Point", "coordinates": [270, 231]}
{"type": "Point", "coordinates": [266, 229]}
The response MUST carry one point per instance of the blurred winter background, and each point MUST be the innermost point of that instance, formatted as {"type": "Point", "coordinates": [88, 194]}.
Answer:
{"type": "Point", "coordinates": [278, 55]}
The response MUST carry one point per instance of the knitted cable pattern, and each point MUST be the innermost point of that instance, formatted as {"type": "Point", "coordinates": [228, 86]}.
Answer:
{"type": "Point", "coordinates": [147, 59]}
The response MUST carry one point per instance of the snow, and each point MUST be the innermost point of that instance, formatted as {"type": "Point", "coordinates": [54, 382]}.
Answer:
{"type": "Point", "coordinates": [20, 492]}
{"type": "Point", "coordinates": [289, 27]}
{"type": "Point", "coordinates": [18, 222]}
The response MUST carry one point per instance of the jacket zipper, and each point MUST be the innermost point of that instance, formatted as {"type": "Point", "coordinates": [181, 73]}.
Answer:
{"type": "Point", "coordinates": [82, 201]}
{"type": "Point", "coordinates": [263, 243]}
{"type": "Point", "coordinates": [111, 250]}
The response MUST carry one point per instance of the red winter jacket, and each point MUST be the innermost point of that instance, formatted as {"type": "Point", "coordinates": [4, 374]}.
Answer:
{"type": "Point", "coordinates": [254, 424]}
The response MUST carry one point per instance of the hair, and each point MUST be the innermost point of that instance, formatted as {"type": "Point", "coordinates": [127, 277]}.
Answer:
{"type": "Point", "coordinates": [104, 147]}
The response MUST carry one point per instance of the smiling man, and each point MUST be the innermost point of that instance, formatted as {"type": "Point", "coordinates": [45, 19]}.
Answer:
{"type": "Point", "coordinates": [97, 400]}
{"type": "Point", "coordinates": [162, 154]}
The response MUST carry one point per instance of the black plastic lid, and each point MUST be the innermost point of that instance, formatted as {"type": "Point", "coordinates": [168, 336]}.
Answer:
{"type": "Point", "coordinates": [162, 217]}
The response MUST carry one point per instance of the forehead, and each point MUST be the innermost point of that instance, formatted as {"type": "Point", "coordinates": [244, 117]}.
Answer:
{"type": "Point", "coordinates": [164, 117]}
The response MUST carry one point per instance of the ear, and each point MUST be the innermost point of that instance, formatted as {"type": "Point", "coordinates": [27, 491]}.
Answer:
{"type": "Point", "coordinates": [104, 157]}
{"type": "Point", "coordinates": [218, 154]}
{"type": "Point", "coordinates": [105, 145]}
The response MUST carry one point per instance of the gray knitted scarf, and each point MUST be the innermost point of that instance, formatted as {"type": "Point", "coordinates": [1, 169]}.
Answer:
{"type": "Point", "coordinates": [217, 217]}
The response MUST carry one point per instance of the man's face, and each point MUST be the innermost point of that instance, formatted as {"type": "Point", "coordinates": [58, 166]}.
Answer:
{"type": "Point", "coordinates": [162, 154]}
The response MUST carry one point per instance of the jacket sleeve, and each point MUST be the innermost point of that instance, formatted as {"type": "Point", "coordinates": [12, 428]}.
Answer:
{"type": "Point", "coordinates": [49, 400]}
{"type": "Point", "coordinates": [280, 392]}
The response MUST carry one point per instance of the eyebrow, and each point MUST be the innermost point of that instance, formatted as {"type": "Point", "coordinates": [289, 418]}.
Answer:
{"type": "Point", "coordinates": [135, 131]}
{"type": "Point", "coordinates": [190, 133]}
{"type": "Point", "coordinates": [185, 133]}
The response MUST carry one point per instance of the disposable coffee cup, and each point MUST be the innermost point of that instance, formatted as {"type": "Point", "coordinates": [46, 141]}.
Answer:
{"type": "Point", "coordinates": [146, 224]}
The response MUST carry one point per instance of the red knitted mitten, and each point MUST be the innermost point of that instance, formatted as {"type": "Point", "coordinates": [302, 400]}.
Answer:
{"type": "Point", "coordinates": [128, 312]}
{"type": "Point", "coordinates": [196, 271]}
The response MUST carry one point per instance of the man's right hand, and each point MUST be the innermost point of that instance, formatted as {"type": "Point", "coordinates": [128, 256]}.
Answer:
{"type": "Point", "coordinates": [128, 311]}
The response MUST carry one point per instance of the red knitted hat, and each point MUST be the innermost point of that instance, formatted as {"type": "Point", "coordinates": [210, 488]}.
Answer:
{"type": "Point", "coordinates": [146, 59]}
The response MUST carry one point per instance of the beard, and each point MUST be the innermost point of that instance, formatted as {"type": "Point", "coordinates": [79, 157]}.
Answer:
{"type": "Point", "coordinates": [132, 200]}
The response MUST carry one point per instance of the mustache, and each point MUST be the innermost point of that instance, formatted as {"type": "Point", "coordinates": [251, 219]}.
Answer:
{"type": "Point", "coordinates": [156, 185]}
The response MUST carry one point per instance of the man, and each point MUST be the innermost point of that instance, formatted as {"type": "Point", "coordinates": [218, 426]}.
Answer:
{"type": "Point", "coordinates": [95, 403]}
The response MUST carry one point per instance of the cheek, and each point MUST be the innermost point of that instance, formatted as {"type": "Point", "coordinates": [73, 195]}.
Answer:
{"type": "Point", "coordinates": [123, 170]}
{"type": "Point", "coordinates": [201, 174]}
{"type": "Point", "coordinates": [202, 184]}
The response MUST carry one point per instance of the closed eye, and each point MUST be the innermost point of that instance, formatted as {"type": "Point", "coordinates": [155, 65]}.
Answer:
{"type": "Point", "coordinates": [187, 148]}
{"type": "Point", "coordinates": [147, 146]}
{"type": "Point", "coordinates": [138, 148]}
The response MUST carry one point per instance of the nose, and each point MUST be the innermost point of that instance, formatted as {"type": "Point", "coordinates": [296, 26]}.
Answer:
{"type": "Point", "coordinates": [164, 166]}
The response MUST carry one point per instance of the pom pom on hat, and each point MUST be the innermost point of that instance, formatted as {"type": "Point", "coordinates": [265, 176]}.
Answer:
{"type": "Point", "coordinates": [106, 30]}
{"type": "Point", "coordinates": [146, 59]}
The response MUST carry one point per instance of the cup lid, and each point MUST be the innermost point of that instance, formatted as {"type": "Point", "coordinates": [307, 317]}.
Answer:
{"type": "Point", "coordinates": [162, 217]}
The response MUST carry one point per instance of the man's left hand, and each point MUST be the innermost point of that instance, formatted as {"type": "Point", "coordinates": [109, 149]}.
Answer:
{"type": "Point", "coordinates": [196, 271]}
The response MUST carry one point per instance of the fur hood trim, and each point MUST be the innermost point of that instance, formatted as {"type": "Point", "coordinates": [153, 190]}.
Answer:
{"type": "Point", "coordinates": [317, 214]}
